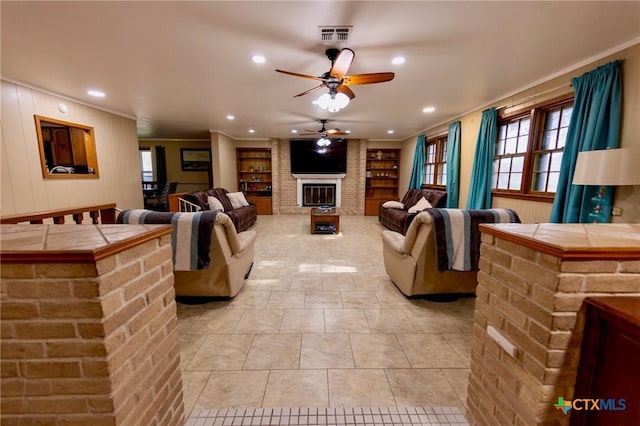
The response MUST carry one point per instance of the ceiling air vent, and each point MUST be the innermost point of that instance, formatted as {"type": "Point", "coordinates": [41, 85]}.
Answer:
{"type": "Point", "coordinates": [330, 35]}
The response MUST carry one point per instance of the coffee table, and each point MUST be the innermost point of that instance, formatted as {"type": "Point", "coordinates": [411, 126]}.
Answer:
{"type": "Point", "coordinates": [325, 221]}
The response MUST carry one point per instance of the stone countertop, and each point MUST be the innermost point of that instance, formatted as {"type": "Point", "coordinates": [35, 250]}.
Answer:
{"type": "Point", "coordinates": [573, 241]}
{"type": "Point", "coordinates": [75, 243]}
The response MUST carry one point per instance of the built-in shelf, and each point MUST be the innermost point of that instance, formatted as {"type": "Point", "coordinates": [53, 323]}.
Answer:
{"type": "Point", "coordinates": [382, 178]}
{"type": "Point", "coordinates": [254, 177]}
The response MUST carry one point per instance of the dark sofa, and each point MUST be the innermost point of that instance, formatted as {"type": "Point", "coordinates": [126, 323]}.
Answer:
{"type": "Point", "coordinates": [243, 218]}
{"type": "Point", "coordinates": [398, 220]}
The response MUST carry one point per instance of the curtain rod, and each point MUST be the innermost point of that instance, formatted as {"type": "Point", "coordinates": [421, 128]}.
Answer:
{"type": "Point", "coordinates": [537, 95]}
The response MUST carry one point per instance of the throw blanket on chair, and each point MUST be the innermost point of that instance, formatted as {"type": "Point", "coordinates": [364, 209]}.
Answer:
{"type": "Point", "coordinates": [457, 235]}
{"type": "Point", "coordinates": [191, 236]}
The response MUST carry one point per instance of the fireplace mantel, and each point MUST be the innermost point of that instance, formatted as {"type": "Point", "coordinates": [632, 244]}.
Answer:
{"type": "Point", "coordinates": [307, 178]}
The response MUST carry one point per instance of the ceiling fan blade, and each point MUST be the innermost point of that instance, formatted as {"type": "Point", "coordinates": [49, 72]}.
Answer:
{"type": "Point", "coordinates": [320, 86]}
{"type": "Point", "coordinates": [342, 63]}
{"type": "Point", "coordinates": [336, 132]}
{"type": "Point", "coordinates": [295, 74]}
{"type": "Point", "coordinates": [376, 77]}
{"type": "Point", "coordinates": [343, 88]}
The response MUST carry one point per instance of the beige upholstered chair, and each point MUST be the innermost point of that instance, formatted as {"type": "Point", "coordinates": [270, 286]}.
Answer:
{"type": "Point", "coordinates": [410, 262]}
{"type": "Point", "coordinates": [231, 260]}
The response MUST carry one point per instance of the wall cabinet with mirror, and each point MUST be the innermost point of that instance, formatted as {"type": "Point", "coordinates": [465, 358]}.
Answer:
{"type": "Point", "coordinates": [67, 150]}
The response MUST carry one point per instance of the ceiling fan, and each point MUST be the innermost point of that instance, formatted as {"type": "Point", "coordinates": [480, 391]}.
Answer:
{"type": "Point", "coordinates": [336, 79]}
{"type": "Point", "coordinates": [324, 132]}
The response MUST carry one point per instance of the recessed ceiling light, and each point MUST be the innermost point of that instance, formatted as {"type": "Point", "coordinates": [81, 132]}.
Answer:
{"type": "Point", "coordinates": [347, 131]}
{"type": "Point", "coordinates": [230, 117]}
{"type": "Point", "coordinates": [294, 131]}
{"type": "Point", "coordinates": [258, 59]}
{"type": "Point", "coordinates": [390, 131]}
{"type": "Point", "coordinates": [428, 109]}
{"type": "Point", "coordinates": [96, 93]}
{"type": "Point", "coordinates": [251, 131]}
{"type": "Point", "coordinates": [398, 60]}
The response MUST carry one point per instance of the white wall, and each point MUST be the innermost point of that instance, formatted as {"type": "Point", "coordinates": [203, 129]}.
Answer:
{"type": "Point", "coordinates": [24, 190]}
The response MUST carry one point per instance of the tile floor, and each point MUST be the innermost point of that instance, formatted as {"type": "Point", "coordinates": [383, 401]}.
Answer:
{"type": "Point", "coordinates": [319, 324]}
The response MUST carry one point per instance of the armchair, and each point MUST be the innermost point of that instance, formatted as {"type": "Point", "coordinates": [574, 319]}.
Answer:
{"type": "Point", "coordinates": [231, 260]}
{"type": "Point", "coordinates": [411, 263]}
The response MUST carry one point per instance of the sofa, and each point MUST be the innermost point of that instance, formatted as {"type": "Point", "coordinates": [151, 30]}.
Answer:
{"type": "Point", "coordinates": [399, 219]}
{"type": "Point", "coordinates": [243, 217]}
{"type": "Point", "coordinates": [209, 257]}
{"type": "Point", "coordinates": [418, 263]}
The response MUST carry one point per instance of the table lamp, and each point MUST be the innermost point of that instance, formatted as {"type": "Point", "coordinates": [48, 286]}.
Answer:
{"type": "Point", "coordinates": [606, 167]}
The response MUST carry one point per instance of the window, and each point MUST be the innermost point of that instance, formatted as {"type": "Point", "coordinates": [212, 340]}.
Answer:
{"type": "Point", "coordinates": [146, 165]}
{"type": "Point", "coordinates": [435, 166]}
{"type": "Point", "coordinates": [529, 149]}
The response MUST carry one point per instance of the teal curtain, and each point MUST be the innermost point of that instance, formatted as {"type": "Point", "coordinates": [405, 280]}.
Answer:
{"type": "Point", "coordinates": [453, 165]}
{"type": "Point", "coordinates": [417, 173]}
{"type": "Point", "coordinates": [480, 187]}
{"type": "Point", "coordinates": [595, 124]}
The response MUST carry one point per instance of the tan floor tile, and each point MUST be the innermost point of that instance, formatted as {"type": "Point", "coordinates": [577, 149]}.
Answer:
{"type": "Point", "coordinates": [359, 388]}
{"type": "Point", "coordinates": [222, 352]}
{"type": "Point", "coordinates": [429, 351]}
{"type": "Point", "coordinates": [458, 379]}
{"type": "Point", "coordinates": [286, 300]}
{"type": "Point", "coordinates": [420, 387]}
{"type": "Point", "coordinates": [359, 299]}
{"type": "Point", "coordinates": [346, 321]}
{"type": "Point", "coordinates": [326, 351]}
{"type": "Point", "coordinates": [342, 278]}
{"type": "Point", "coordinates": [233, 389]}
{"type": "Point", "coordinates": [192, 384]}
{"type": "Point", "coordinates": [250, 300]}
{"type": "Point", "coordinates": [274, 351]}
{"type": "Point", "coordinates": [461, 343]}
{"type": "Point", "coordinates": [259, 321]}
{"type": "Point", "coordinates": [388, 321]}
{"type": "Point", "coordinates": [306, 283]}
{"type": "Point", "coordinates": [189, 345]}
{"type": "Point", "coordinates": [303, 321]}
{"type": "Point", "coordinates": [217, 322]}
{"type": "Point", "coordinates": [428, 320]}
{"type": "Point", "coordinates": [297, 388]}
{"type": "Point", "coordinates": [377, 351]}
{"type": "Point", "coordinates": [323, 299]}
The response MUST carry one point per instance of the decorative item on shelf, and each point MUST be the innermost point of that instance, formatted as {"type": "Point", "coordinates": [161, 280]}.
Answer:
{"type": "Point", "coordinates": [379, 155]}
{"type": "Point", "coordinates": [251, 168]}
{"type": "Point", "coordinates": [606, 167]}
{"type": "Point", "coordinates": [368, 173]}
{"type": "Point", "coordinates": [261, 168]}
{"type": "Point", "coordinates": [395, 166]}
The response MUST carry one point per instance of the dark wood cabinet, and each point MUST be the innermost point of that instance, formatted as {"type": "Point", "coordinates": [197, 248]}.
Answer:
{"type": "Point", "coordinates": [382, 178]}
{"type": "Point", "coordinates": [254, 177]}
{"type": "Point", "coordinates": [609, 368]}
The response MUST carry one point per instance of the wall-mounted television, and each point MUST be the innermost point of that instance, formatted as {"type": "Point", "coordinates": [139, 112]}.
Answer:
{"type": "Point", "coordinates": [308, 157]}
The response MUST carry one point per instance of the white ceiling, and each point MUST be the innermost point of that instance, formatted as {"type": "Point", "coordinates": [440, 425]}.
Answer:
{"type": "Point", "coordinates": [180, 67]}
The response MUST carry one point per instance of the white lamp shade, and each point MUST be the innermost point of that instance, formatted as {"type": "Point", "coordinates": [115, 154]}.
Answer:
{"type": "Point", "coordinates": [608, 167]}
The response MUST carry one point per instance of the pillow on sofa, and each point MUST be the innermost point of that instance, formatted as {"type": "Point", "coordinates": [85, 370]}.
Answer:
{"type": "Point", "coordinates": [214, 203]}
{"type": "Point", "coordinates": [393, 205]}
{"type": "Point", "coordinates": [419, 206]}
{"type": "Point", "coordinates": [237, 199]}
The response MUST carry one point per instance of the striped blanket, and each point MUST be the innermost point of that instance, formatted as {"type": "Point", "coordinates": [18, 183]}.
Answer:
{"type": "Point", "coordinates": [457, 235]}
{"type": "Point", "coordinates": [191, 237]}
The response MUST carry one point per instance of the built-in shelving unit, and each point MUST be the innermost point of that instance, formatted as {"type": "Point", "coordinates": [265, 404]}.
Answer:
{"type": "Point", "coordinates": [382, 178]}
{"type": "Point", "coordinates": [254, 177]}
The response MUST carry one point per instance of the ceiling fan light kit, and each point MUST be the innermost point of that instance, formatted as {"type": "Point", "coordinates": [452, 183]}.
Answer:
{"type": "Point", "coordinates": [333, 102]}
{"type": "Point", "coordinates": [338, 82]}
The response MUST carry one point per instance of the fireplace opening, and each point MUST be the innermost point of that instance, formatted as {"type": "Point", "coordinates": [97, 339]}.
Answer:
{"type": "Point", "coordinates": [318, 194]}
